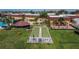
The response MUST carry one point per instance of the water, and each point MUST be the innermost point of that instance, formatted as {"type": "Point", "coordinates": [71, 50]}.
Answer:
{"type": "Point", "coordinates": [3, 24]}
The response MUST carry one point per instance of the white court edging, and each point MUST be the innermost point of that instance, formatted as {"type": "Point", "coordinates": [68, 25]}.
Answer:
{"type": "Point", "coordinates": [40, 32]}
{"type": "Point", "coordinates": [40, 38]}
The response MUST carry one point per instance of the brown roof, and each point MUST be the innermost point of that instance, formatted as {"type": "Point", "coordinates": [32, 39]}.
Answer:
{"type": "Point", "coordinates": [21, 23]}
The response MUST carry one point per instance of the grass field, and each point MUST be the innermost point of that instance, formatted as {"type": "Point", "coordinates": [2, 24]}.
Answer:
{"type": "Point", "coordinates": [17, 38]}
{"type": "Point", "coordinates": [65, 38]}
{"type": "Point", "coordinates": [45, 32]}
{"type": "Point", "coordinates": [35, 31]}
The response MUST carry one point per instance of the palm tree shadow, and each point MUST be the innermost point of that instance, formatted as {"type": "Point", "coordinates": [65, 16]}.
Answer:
{"type": "Point", "coordinates": [76, 32]}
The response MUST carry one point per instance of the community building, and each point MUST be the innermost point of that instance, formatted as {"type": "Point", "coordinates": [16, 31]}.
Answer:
{"type": "Point", "coordinates": [21, 24]}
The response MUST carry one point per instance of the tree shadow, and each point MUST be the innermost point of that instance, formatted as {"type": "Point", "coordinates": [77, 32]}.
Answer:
{"type": "Point", "coordinates": [76, 32]}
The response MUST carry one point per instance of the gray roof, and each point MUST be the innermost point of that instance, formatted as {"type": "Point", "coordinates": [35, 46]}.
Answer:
{"type": "Point", "coordinates": [76, 20]}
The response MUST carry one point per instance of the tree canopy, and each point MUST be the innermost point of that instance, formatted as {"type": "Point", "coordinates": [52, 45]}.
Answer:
{"type": "Point", "coordinates": [43, 14]}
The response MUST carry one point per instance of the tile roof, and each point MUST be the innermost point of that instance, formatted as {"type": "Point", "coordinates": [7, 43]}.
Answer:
{"type": "Point", "coordinates": [21, 23]}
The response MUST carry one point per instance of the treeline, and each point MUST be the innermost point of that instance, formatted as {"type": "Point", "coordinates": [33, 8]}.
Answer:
{"type": "Point", "coordinates": [61, 11]}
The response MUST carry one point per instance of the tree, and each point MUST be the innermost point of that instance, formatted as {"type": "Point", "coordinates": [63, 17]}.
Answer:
{"type": "Point", "coordinates": [77, 12]}
{"type": "Point", "coordinates": [32, 12]}
{"type": "Point", "coordinates": [47, 22]}
{"type": "Point", "coordinates": [61, 20]}
{"type": "Point", "coordinates": [62, 12]}
{"type": "Point", "coordinates": [36, 19]}
{"type": "Point", "coordinates": [23, 17]}
{"type": "Point", "coordinates": [7, 19]}
{"type": "Point", "coordinates": [55, 22]}
{"type": "Point", "coordinates": [43, 14]}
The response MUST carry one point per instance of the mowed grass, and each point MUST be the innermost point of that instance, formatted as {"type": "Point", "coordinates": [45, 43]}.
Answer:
{"type": "Point", "coordinates": [62, 39]}
{"type": "Point", "coordinates": [35, 31]}
{"type": "Point", "coordinates": [45, 32]}
{"type": "Point", "coordinates": [65, 39]}
{"type": "Point", "coordinates": [40, 45]}
{"type": "Point", "coordinates": [16, 38]}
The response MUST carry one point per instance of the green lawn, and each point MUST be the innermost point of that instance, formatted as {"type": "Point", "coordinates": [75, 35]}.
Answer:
{"type": "Point", "coordinates": [45, 32]}
{"type": "Point", "coordinates": [65, 38]}
{"type": "Point", "coordinates": [35, 31]}
{"type": "Point", "coordinates": [18, 39]}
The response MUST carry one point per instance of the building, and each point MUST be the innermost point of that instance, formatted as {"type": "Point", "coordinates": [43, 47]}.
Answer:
{"type": "Point", "coordinates": [20, 24]}
{"type": "Point", "coordinates": [27, 17]}
{"type": "Point", "coordinates": [76, 21]}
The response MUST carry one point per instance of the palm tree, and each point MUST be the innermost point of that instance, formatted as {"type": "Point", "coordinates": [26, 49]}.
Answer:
{"type": "Point", "coordinates": [7, 20]}
{"type": "Point", "coordinates": [61, 20]}
{"type": "Point", "coordinates": [43, 14]}
{"type": "Point", "coordinates": [23, 17]}
{"type": "Point", "coordinates": [36, 19]}
{"type": "Point", "coordinates": [55, 22]}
